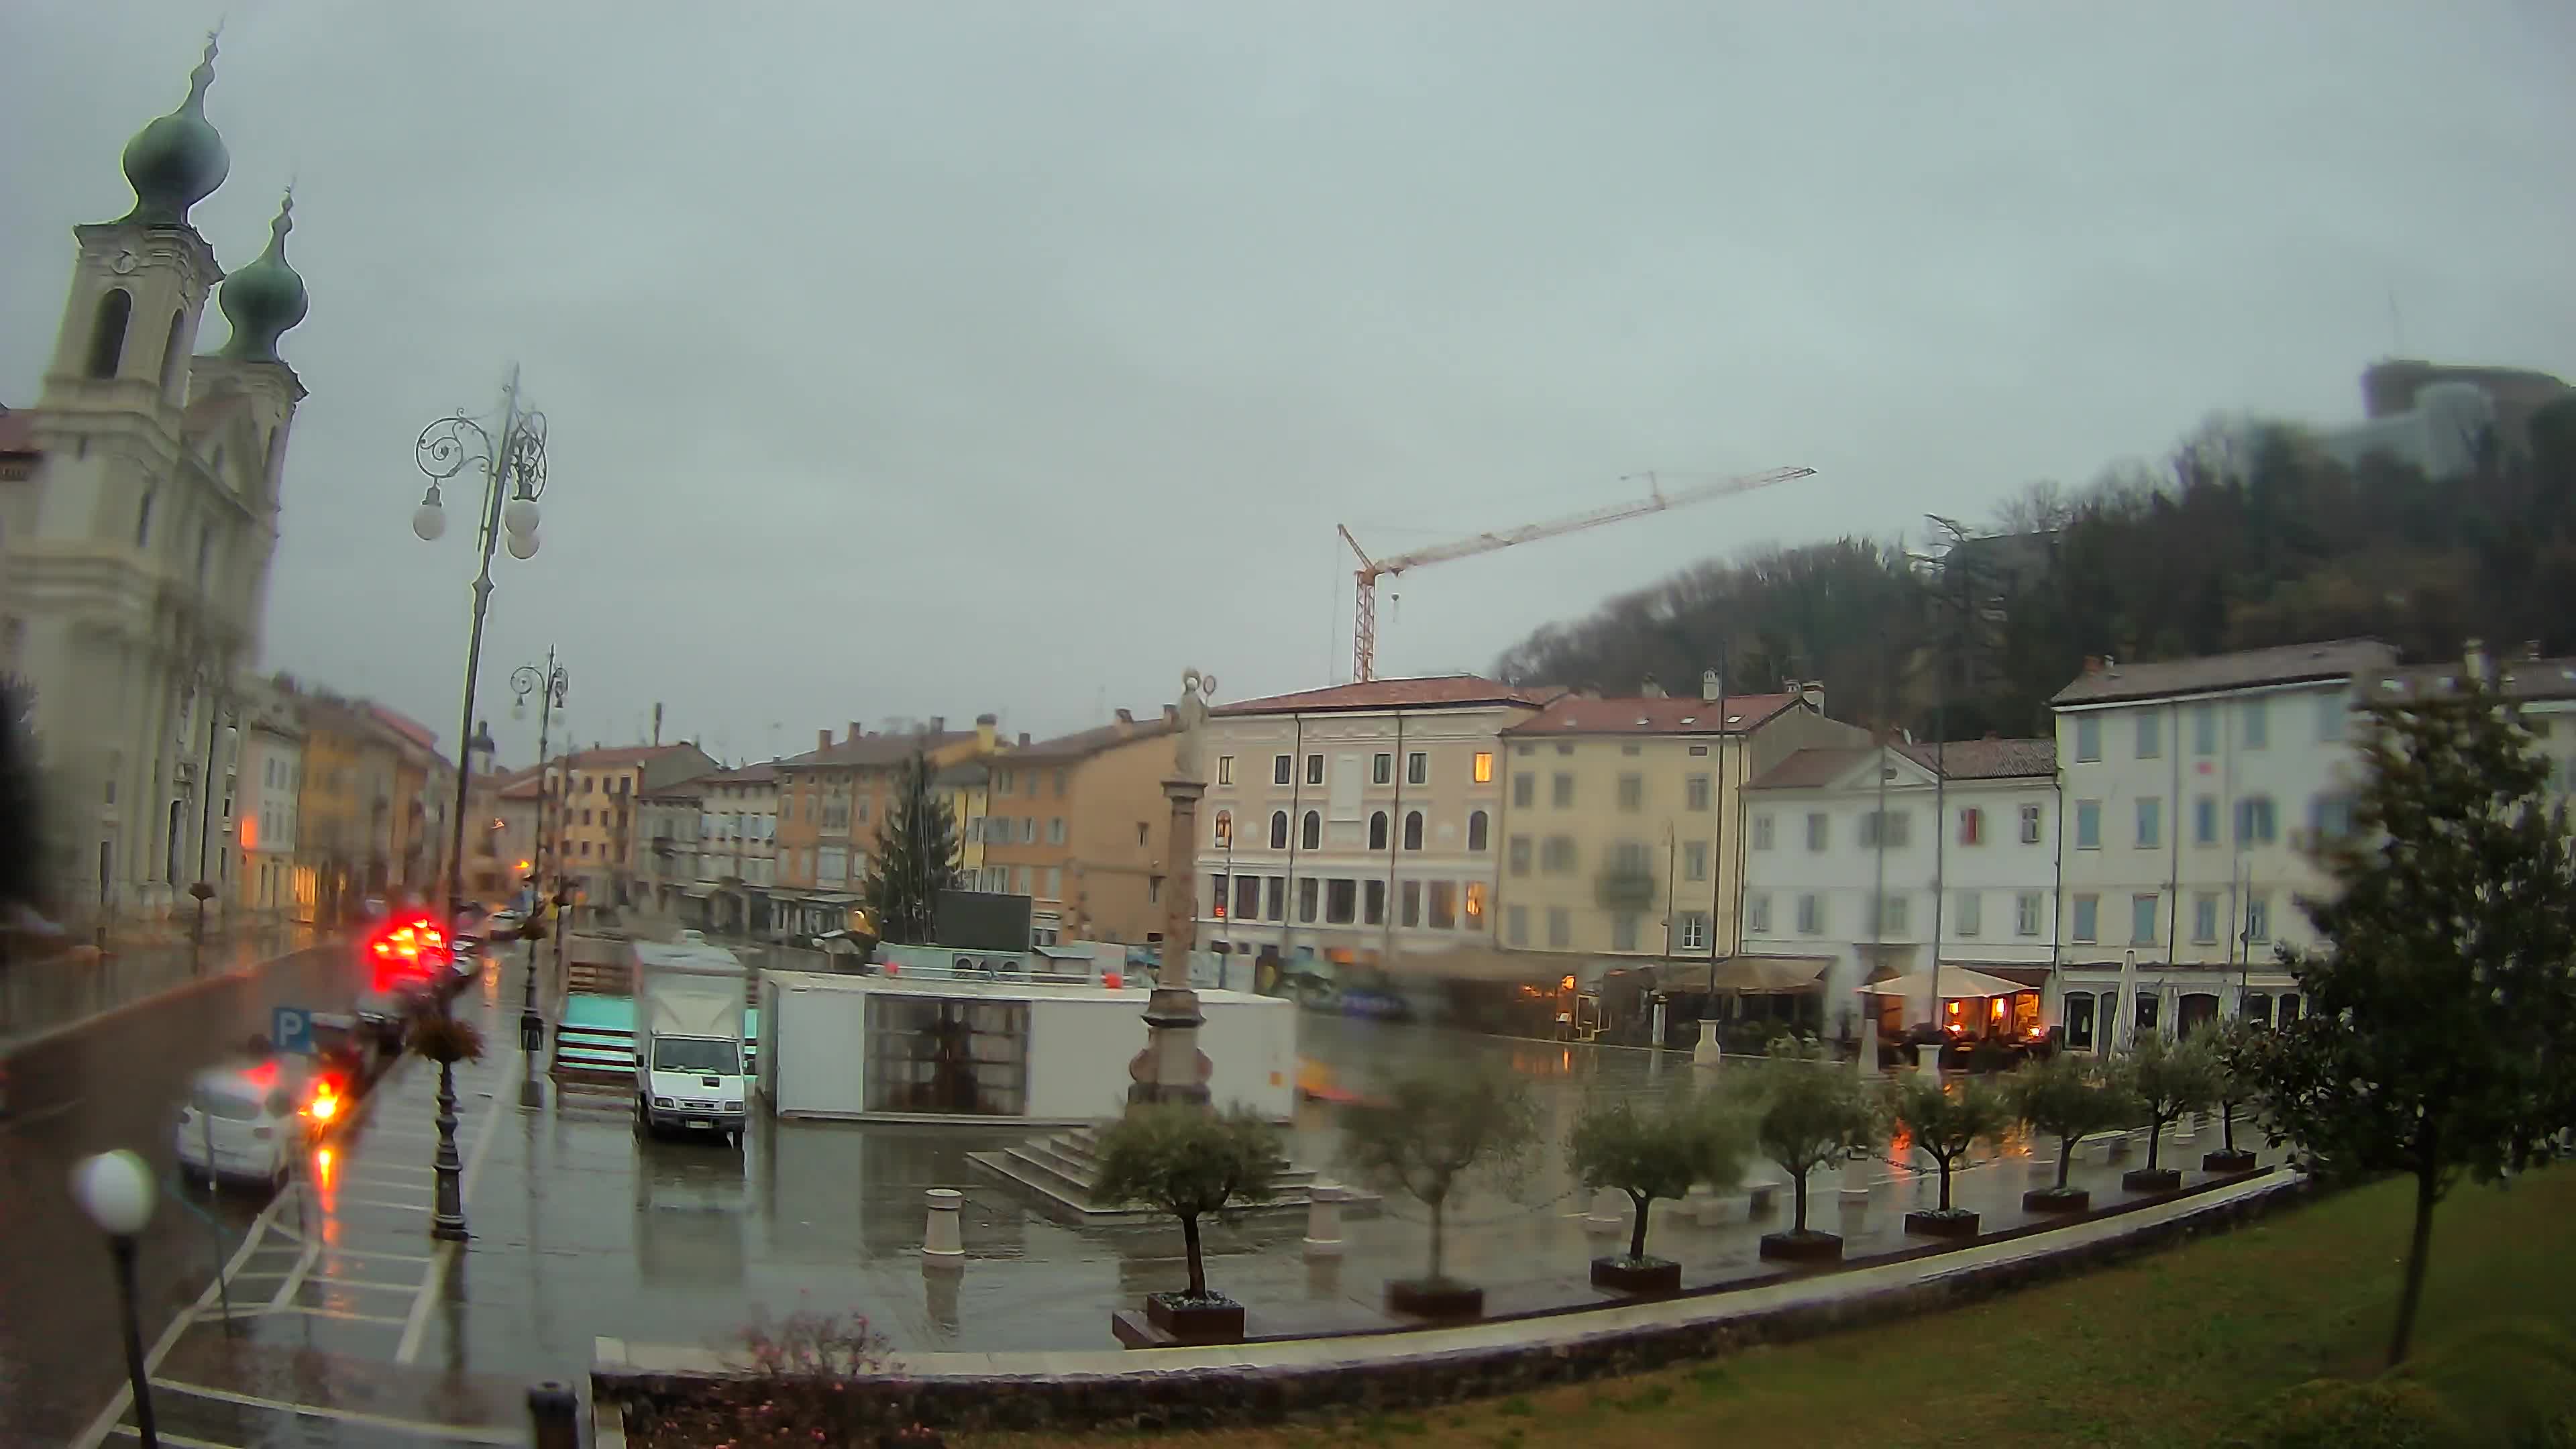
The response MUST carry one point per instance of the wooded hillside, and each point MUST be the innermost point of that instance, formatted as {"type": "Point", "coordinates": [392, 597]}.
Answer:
{"type": "Point", "coordinates": [2244, 537]}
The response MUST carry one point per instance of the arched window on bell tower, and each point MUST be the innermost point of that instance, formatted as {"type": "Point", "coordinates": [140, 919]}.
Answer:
{"type": "Point", "coordinates": [107, 332]}
{"type": "Point", "coordinates": [171, 355]}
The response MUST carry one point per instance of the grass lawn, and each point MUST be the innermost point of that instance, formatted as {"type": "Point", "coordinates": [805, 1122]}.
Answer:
{"type": "Point", "coordinates": [2166, 1350]}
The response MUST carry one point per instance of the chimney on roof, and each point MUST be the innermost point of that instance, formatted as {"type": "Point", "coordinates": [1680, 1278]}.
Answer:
{"type": "Point", "coordinates": [1650, 689]}
{"type": "Point", "coordinates": [1712, 686]}
{"type": "Point", "coordinates": [986, 727]}
{"type": "Point", "coordinates": [939, 724]}
{"type": "Point", "coordinates": [2092, 664]}
{"type": "Point", "coordinates": [855, 731]}
{"type": "Point", "coordinates": [1024, 739]}
{"type": "Point", "coordinates": [1811, 693]}
{"type": "Point", "coordinates": [2473, 661]}
{"type": "Point", "coordinates": [822, 739]}
{"type": "Point", "coordinates": [1126, 717]}
{"type": "Point", "coordinates": [657, 724]}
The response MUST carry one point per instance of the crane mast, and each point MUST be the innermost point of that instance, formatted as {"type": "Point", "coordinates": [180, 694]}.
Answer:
{"type": "Point", "coordinates": [1370, 570]}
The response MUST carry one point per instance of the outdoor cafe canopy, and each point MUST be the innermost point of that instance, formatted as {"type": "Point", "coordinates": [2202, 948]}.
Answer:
{"type": "Point", "coordinates": [1957, 982]}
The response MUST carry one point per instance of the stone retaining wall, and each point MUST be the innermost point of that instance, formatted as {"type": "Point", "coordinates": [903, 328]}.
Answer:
{"type": "Point", "coordinates": [1400, 1376]}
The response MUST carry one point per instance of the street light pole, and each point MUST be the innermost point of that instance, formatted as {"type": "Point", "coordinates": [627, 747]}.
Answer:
{"type": "Point", "coordinates": [549, 685]}
{"type": "Point", "coordinates": [115, 1190]}
{"type": "Point", "coordinates": [514, 477]}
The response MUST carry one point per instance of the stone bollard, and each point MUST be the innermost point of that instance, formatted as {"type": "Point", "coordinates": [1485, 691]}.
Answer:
{"type": "Point", "coordinates": [554, 1417]}
{"type": "Point", "coordinates": [942, 1242]}
{"type": "Point", "coordinates": [1324, 1219]}
{"type": "Point", "coordinates": [1706, 1052]}
{"type": "Point", "coordinates": [1609, 1212]}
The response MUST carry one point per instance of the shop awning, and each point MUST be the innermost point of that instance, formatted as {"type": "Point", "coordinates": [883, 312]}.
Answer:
{"type": "Point", "coordinates": [1769, 973]}
{"type": "Point", "coordinates": [1956, 982]}
{"type": "Point", "coordinates": [1479, 963]}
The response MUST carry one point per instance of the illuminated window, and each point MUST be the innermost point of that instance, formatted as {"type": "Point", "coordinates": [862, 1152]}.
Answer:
{"type": "Point", "coordinates": [1475, 901]}
{"type": "Point", "coordinates": [1225, 827]}
{"type": "Point", "coordinates": [1484, 773]}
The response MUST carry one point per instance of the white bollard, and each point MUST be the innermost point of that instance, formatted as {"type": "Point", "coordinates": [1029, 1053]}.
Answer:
{"type": "Point", "coordinates": [1609, 1212]}
{"type": "Point", "coordinates": [1706, 1052]}
{"type": "Point", "coordinates": [1324, 1219]}
{"type": "Point", "coordinates": [941, 1242]}
{"type": "Point", "coordinates": [2043, 1161]}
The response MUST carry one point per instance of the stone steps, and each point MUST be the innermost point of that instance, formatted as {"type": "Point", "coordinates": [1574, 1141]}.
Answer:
{"type": "Point", "coordinates": [1059, 1170]}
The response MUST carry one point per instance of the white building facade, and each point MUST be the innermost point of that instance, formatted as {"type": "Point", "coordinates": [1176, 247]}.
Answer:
{"type": "Point", "coordinates": [134, 558]}
{"type": "Point", "coordinates": [1345, 827]}
{"type": "Point", "coordinates": [1882, 860]}
{"type": "Point", "coordinates": [2190, 791]}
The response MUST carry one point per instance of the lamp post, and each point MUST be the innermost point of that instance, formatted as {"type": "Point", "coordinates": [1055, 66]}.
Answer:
{"type": "Point", "coordinates": [115, 1190]}
{"type": "Point", "coordinates": [514, 477]}
{"type": "Point", "coordinates": [549, 685]}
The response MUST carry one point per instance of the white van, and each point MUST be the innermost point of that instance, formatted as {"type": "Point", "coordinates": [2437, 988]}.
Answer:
{"type": "Point", "coordinates": [243, 1123]}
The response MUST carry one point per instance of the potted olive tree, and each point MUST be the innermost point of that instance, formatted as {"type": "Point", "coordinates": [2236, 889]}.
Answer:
{"type": "Point", "coordinates": [1945, 1122]}
{"type": "Point", "coordinates": [1191, 1163]}
{"type": "Point", "coordinates": [2069, 1096]}
{"type": "Point", "coordinates": [1808, 1109]}
{"type": "Point", "coordinates": [2167, 1079]}
{"type": "Point", "coordinates": [1429, 1132]}
{"type": "Point", "coordinates": [1651, 1150]}
{"type": "Point", "coordinates": [2239, 1047]}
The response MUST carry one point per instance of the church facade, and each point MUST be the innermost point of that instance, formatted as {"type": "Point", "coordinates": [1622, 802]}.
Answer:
{"type": "Point", "coordinates": [138, 536]}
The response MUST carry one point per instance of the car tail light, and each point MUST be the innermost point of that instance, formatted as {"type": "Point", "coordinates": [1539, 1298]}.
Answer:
{"type": "Point", "coordinates": [325, 1104]}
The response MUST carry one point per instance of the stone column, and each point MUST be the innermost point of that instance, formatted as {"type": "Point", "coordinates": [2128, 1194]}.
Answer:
{"type": "Point", "coordinates": [942, 1243]}
{"type": "Point", "coordinates": [1171, 1068]}
{"type": "Point", "coordinates": [1324, 1220]}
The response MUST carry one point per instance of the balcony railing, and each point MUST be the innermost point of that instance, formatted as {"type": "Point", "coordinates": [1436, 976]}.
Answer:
{"type": "Point", "coordinates": [1624, 890]}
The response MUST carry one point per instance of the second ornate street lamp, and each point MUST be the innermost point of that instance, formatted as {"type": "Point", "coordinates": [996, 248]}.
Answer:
{"type": "Point", "coordinates": [549, 685]}
{"type": "Point", "coordinates": [514, 477]}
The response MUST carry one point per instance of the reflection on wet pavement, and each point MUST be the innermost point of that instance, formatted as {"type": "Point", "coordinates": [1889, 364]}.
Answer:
{"type": "Point", "coordinates": [583, 1229]}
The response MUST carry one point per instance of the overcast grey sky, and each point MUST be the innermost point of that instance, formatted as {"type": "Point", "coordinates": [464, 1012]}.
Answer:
{"type": "Point", "coordinates": [936, 358]}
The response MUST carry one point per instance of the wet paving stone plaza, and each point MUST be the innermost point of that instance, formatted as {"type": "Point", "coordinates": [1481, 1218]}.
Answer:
{"type": "Point", "coordinates": [349, 1325]}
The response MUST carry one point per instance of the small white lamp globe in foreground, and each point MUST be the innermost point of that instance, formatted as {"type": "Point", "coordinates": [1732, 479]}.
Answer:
{"type": "Point", "coordinates": [523, 545]}
{"type": "Point", "coordinates": [115, 1190]}
{"type": "Point", "coordinates": [519, 515]}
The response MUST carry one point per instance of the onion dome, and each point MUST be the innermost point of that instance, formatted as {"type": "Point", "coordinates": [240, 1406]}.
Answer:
{"type": "Point", "coordinates": [178, 160]}
{"type": "Point", "coordinates": [264, 299]}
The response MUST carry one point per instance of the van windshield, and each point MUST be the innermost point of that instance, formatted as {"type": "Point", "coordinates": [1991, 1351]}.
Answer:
{"type": "Point", "coordinates": [689, 1054]}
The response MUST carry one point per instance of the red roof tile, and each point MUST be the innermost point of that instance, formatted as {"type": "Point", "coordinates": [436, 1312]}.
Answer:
{"type": "Point", "coordinates": [17, 432]}
{"type": "Point", "coordinates": [869, 752]}
{"type": "Point", "coordinates": [1437, 692]}
{"type": "Point", "coordinates": [1660, 715]}
{"type": "Point", "coordinates": [1083, 744]}
{"type": "Point", "coordinates": [1958, 760]}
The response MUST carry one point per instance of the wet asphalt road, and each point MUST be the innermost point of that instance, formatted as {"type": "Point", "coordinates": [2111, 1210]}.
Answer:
{"type": "Point", "coordinates": [117, 1082]}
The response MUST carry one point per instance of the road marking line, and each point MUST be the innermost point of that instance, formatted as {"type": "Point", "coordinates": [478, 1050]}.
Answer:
{"type": "Point", "coordinates": [470, 1433]}
{"type": "Point", "coordinates": [177, 1441]}
{"type": "Point", "coordinates": [295, 1277]}
{"type": "Point", "coordinates": [340, 1313]}
{"type": "Point", "coordinates": [409, 1348]}
{"type": "Point", "coordinates": [384, 1203]}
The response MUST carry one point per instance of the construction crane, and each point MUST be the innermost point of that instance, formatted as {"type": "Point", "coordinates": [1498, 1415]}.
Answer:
{"type": "Point", "coordinates": [1364, 610]}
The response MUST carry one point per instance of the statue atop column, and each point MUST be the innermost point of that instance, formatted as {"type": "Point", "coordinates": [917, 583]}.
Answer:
{"type": "Point", "coordinates": [1189, 747]}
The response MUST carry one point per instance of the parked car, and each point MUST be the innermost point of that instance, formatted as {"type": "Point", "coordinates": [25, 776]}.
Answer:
{"type": "Point", "coordinates": [246, 1122]}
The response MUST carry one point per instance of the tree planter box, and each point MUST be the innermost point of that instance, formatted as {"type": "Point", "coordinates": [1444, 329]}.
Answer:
{"type": "Point", "coordinates": [1637, 1275]}
{"type": "Point", "coordinates": [1933, 1223]}
{"type": "Point", "coordinates": [2239, 1160]}
{"type": "Point", "coordinates": [1807, 1247]}
{"type": "Point", "coordinates": [2151, 1179]}
{"type": "Point", "coordinates": [2055, 1200]}
{"type": "Point", "coordinates": [1434, 1299]}
{"type": "Point", "coordinates": [1213, 1319]}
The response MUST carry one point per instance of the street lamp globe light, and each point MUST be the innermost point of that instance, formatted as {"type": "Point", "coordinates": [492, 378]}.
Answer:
{"type": "Point", "coordinates": [429, 521]}
{"type": "Point", "coordinates": [523, 545]}
{"type": "Point", "coordinates": [519, 515]}
{"type": "Point", "coordinates": [115, 1190]}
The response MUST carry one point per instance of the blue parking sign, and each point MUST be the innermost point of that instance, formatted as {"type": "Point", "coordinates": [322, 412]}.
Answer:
{"type": "Point", "coordinates": [290, 1030]}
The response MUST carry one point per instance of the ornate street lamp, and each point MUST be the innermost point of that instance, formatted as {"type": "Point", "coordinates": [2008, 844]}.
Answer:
{"type": "Point", "coordinates": [550, 685]}
{"type": "Point", "coordinates": [514, 478]}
